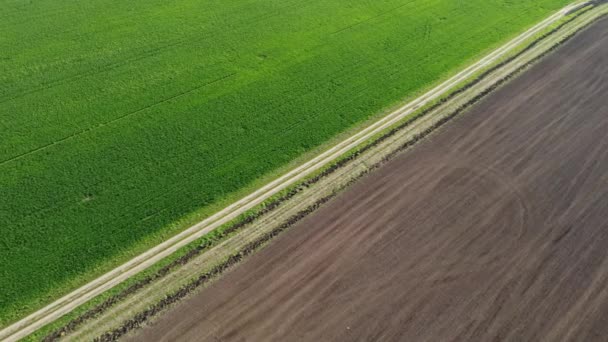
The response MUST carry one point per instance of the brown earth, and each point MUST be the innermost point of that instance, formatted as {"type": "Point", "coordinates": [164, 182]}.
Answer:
{"type": "Point", "coordinates": [494, 228]}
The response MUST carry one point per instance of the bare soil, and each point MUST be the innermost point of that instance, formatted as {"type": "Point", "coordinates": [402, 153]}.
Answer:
{"type": "Point", "coordinates": [494, 228]}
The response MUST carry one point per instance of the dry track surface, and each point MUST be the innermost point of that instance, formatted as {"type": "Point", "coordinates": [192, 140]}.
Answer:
{"type": "Point", "coordinates": [495, 228]}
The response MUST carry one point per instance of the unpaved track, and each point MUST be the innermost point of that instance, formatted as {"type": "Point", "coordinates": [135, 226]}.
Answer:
{"type": "Point", "coordinates": [66, 304]}
{"type": "Point", "coordinates": [494, 228]}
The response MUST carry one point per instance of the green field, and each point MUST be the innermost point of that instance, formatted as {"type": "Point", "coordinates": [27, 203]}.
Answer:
{"type": "Point", "coordinates": [119, 118]}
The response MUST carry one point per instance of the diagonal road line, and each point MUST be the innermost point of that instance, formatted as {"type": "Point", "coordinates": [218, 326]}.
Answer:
{"type": "Point", "coordinates": [69, 302]}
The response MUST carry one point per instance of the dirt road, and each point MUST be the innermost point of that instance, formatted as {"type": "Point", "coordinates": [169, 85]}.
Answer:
{"type": "Point", "coordinates": [495, 228]}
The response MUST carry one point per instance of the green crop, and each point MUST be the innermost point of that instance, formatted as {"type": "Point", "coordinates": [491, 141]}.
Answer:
{"type": "Point", "coordinates": [118, 118]}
